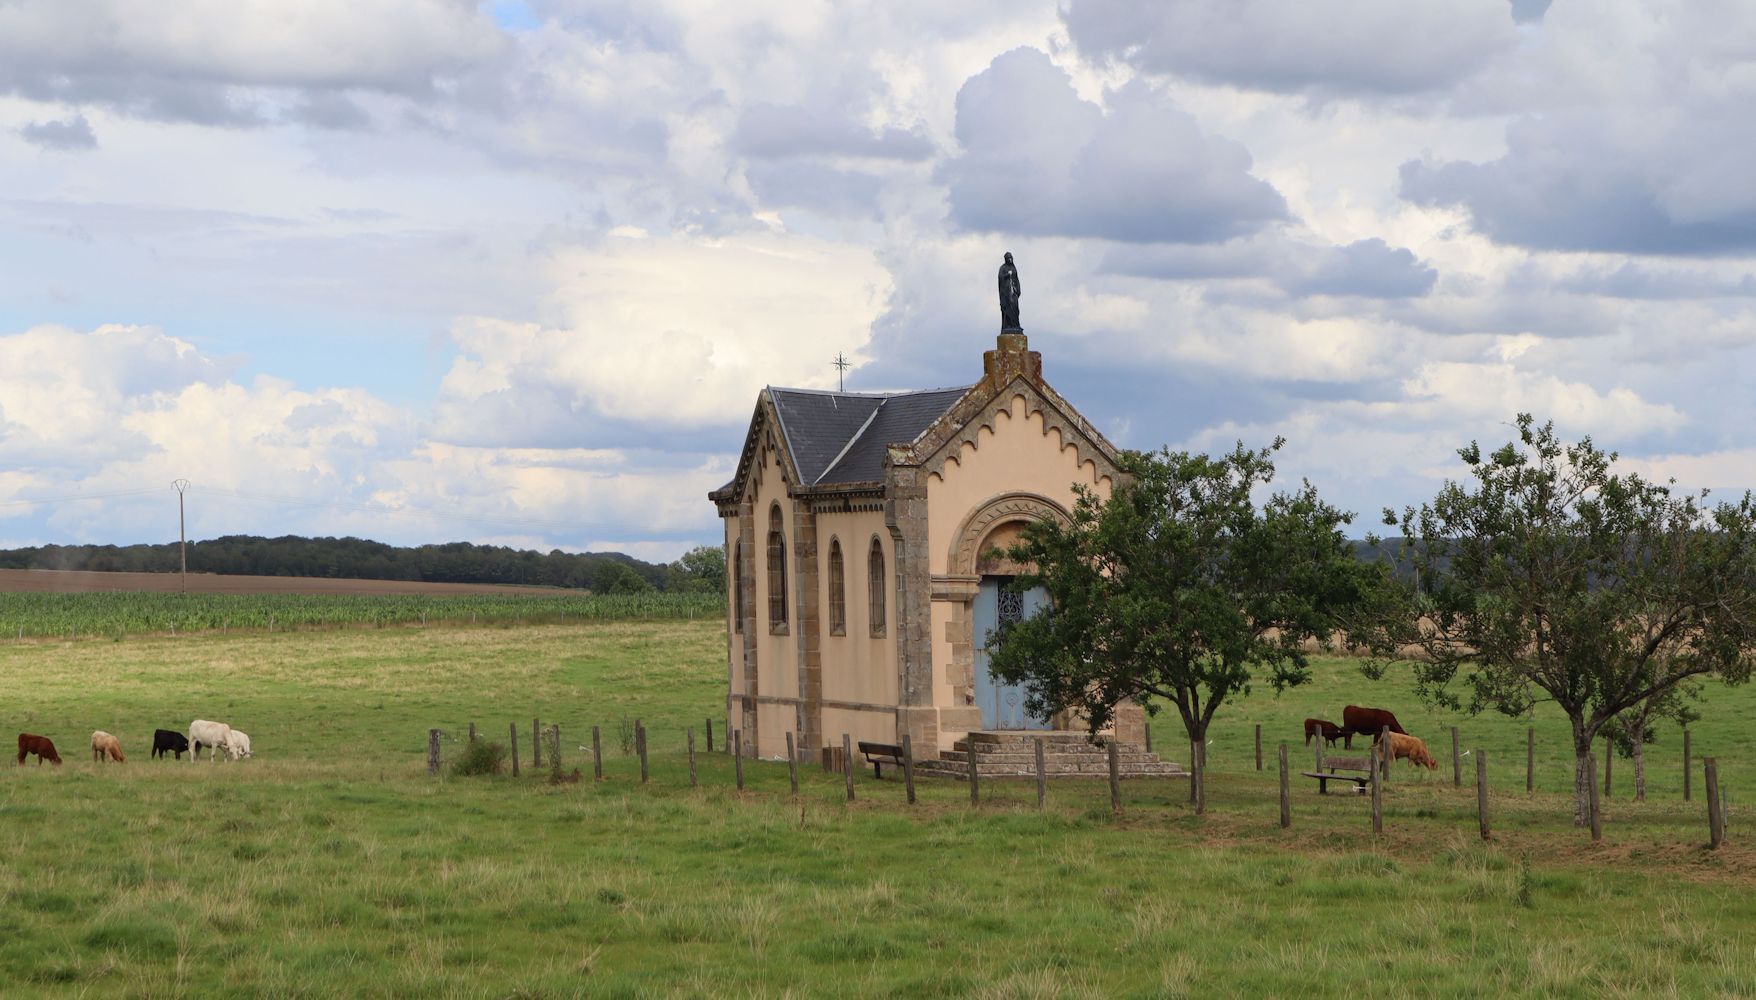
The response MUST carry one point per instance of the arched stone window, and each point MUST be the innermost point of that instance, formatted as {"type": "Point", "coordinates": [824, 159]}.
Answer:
{"type": "Point", "coordinates": [737, 576]}
{"type": "Point", "coordinates": [875, 589]}
{"type": "Point", "coordinates": [777, 572]}
{"type": "Point", "coordinates": [838, 591]}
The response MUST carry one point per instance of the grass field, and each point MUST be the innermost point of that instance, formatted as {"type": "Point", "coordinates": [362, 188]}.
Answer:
{"type": "Point", "coordinates": [331, 865]}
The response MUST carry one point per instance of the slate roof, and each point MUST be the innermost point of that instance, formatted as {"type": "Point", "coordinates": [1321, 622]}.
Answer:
{"type": "Point", "coordinates": [841, 437]}
{"type": "Point", "coordinates": [837, 438]}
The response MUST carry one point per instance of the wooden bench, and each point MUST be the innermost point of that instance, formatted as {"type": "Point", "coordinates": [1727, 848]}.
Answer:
{"type": "Point", "coordinates": [1355, 769]}
{"type": "Point", "coordinates": [880, 754]}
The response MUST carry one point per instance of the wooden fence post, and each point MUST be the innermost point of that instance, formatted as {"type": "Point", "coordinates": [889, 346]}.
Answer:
{"type": "Point", "coordinates": [640, 747]}
{"type": "Point", "coordinates": [1716, 820]}
{"type": "Point", "coordinates": [1687, 766]}
{"type": "Point", "coordinates": [1286, 801]}
{"type": "Point", "coordinates": [1591, 800]}
{"type": "Point", "coordinates": [536, 742]}
{"type": "Point", "coordinates": [908, 766]}
{"type": "Point", "coordinates": [597, 755]}
{"type": "Point", "coordinates": [472, 732]}
{"type": "Point", "coordinates": [1042, 775]}
{"type": "Point", "coordinates": [792, 764]}
{"type": "Point", "coordinates": [1609, 752]}
{"type": "Point", "coordinates": [1116, 782]}
{"type": "Point", "coordinates": [975, 777]}
{"type": "Point", "coordinates": [432, 751]}
{"type": "Point", "coordinates": [847, 753]}
{"type": "Point", "coordinates": [1259, 745]}
{"type": "Point", "coordinates": [692, 779]}
{"type": "Point", "coordinates": [738, 756]}
{"type": "Point", "coordinates": [1319, 742]}
{"type": "Point", "coordinates": [1149, 737]}
{"type": "Point", "coordinates": [514, 729]}
{"type": "Point", "coordinates": [1456, 761]}
{"type": "Point", "coordinates": [1384, 758]}
{"type": "Point", "coordinates": [710, 735]}
{"type": "Point", "coordinates": [1376, 757]}
{"type": "Point", "coordinates": [1529, 759]}
{"type": "Point", "coordinates": [556, 749]}
{"type": "Point", "coordinates": [1482, 790]}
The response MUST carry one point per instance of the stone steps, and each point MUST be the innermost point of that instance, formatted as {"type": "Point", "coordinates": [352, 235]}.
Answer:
{"type": "Point", "coordinates": [1065, 755]}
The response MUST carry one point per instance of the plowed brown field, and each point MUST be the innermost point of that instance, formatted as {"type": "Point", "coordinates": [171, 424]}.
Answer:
{"type": "Point", "coordinates": [79, 582]}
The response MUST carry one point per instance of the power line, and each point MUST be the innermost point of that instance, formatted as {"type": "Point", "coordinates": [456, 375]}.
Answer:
{"type": "Point", "coordinates": [309, 502]}
{"type": "Point", "coordinates": [378, 508]}
{"type": "Point", "coordinates": [75, 497]}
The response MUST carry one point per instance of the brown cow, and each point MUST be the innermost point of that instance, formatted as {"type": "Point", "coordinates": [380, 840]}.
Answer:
{"type": "Point", "coordinates": [42, 746]}
{"type": "Point", "coordinates": [106, 747]}
{"type": "Point", "coordinates": [1331, 732]}
{"type": "Point", "coordinates": [1411, 748]}
{"type": "Point", "coordinates": [1367, 722]}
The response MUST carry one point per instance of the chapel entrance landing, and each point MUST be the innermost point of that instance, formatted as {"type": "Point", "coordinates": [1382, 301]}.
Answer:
{"type": "Point", "coordinates": [1002, 704]}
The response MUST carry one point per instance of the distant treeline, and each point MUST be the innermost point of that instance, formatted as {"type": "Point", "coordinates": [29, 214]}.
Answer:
{"type": "Point", "coordinates": [360, 559]}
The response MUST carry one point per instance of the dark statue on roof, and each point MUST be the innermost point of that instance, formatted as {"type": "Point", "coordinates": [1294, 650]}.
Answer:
{"type": "Point", "coordinates": [1009, 292]}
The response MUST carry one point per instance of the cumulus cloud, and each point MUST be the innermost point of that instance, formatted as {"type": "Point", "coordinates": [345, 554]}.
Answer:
{"type": "Point", "coordinates": [63, 135]}
{"type": "Point", "coordinates": [1038, 159]}
{"type": "Point", "coordinates": [1370, 47]}
{"type": "Point", "coordinates": [164, 63]}
{"type": "Point", "coordinates": [1368, 268]}
{"type": "Point", "coordinates": [661, 333]}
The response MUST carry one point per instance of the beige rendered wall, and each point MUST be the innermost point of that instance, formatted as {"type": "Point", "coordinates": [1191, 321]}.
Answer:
{"type": "Point", "coordinates": [1018, 455]}
{"type": "Point", "coordinates": [858, 668]}
{"type": "Point", "coordinates": [777, 659]}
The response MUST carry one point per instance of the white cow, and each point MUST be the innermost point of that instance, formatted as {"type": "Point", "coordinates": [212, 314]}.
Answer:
{"type": "Point", "coordinates": [238, 744]}
{"type": "Point", "coordinates": [213, 735]}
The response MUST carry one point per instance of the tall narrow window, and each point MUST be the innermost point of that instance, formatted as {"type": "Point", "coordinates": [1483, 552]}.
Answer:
{"type": "Point", "coordinates": [777, 572]}
{"type": "Point", "coordinates": [737, 575]}
{"type": "Point", "coordinates": [875, 588]}
{"type": "Point", "coordinates": [838, 591]}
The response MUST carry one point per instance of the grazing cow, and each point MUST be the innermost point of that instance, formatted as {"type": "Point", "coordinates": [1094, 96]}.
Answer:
{"type": "Point", "coordinates": [1411, 748]}
{"type": "Point", "coordinates": [165, 741]}
{"type": "Point", "coordinates": [211, 735]}
{"type": "Point", "coordinates": [1367, 722]}
{"type": "Point", "coordinates": [42, 746]}
{"type": "Point", "coordinates": [1328, 730]}
{"type": "Point", "coordinates": [106, 747]}
{"type": "Point", "coordinates": [238, 744]}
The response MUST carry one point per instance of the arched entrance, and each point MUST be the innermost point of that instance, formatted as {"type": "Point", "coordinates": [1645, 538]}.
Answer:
{"type": "Point", "coordinates": [996, 606]}
{"type": "Point", "coordinates": [996, 525]}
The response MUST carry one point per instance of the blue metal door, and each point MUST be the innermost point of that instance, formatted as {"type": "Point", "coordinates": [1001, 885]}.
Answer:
{"type": "Point", "coordinates": [1002, 704]}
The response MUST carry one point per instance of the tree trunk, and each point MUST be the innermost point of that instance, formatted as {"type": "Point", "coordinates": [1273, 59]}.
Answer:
{"type": "Point", "coordinates": [1582, 772]}
{"type": "Point", "coordinates": [1637, 732]}
{"type": "Point", "coordinates": [1198, 767]}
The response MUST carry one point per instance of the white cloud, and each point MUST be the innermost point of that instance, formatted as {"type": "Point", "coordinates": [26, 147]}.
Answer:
{"type": "Point", "coordinates": [666, 333]}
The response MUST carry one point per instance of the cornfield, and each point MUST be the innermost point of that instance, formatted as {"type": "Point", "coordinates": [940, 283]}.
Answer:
{"type": "Point", "coordinates": [25, 615]}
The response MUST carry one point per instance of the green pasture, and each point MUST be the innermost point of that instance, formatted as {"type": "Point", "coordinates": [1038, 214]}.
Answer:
{"type": "Point", "coordinates": [332, 865]}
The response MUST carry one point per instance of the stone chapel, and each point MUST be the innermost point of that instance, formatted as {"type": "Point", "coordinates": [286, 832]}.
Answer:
{"type": "Point", "coordinates": [858, 534]}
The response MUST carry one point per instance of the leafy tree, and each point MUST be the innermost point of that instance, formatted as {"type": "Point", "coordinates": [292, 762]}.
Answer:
{"type": "Point", "coordinates": [1555, 578]}
{"type": "Point", "coordinates": [1180, 588]}
{"type": "Point", "coordinates": [702, 568]}
{"type": "Point", "coordinates": [1633, 730]}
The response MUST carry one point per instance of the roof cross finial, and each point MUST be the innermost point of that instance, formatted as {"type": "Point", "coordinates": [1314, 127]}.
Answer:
{"type": "Point", "coordinates": [842, 364]}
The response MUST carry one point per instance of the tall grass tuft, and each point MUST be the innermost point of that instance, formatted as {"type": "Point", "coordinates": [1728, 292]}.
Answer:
{"type": "Point", "coordinates": [480, 757]}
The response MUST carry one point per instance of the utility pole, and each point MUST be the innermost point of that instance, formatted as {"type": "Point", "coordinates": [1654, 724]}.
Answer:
{"type": "Point", "coordinates": [182, 537]}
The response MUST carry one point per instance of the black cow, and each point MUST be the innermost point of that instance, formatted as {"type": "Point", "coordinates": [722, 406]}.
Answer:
{"type": "Point", "coordinates": [165, 741]}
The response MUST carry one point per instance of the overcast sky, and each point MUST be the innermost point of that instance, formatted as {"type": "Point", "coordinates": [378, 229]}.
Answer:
{"type": "Point", "coordinates": [517, 270]}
